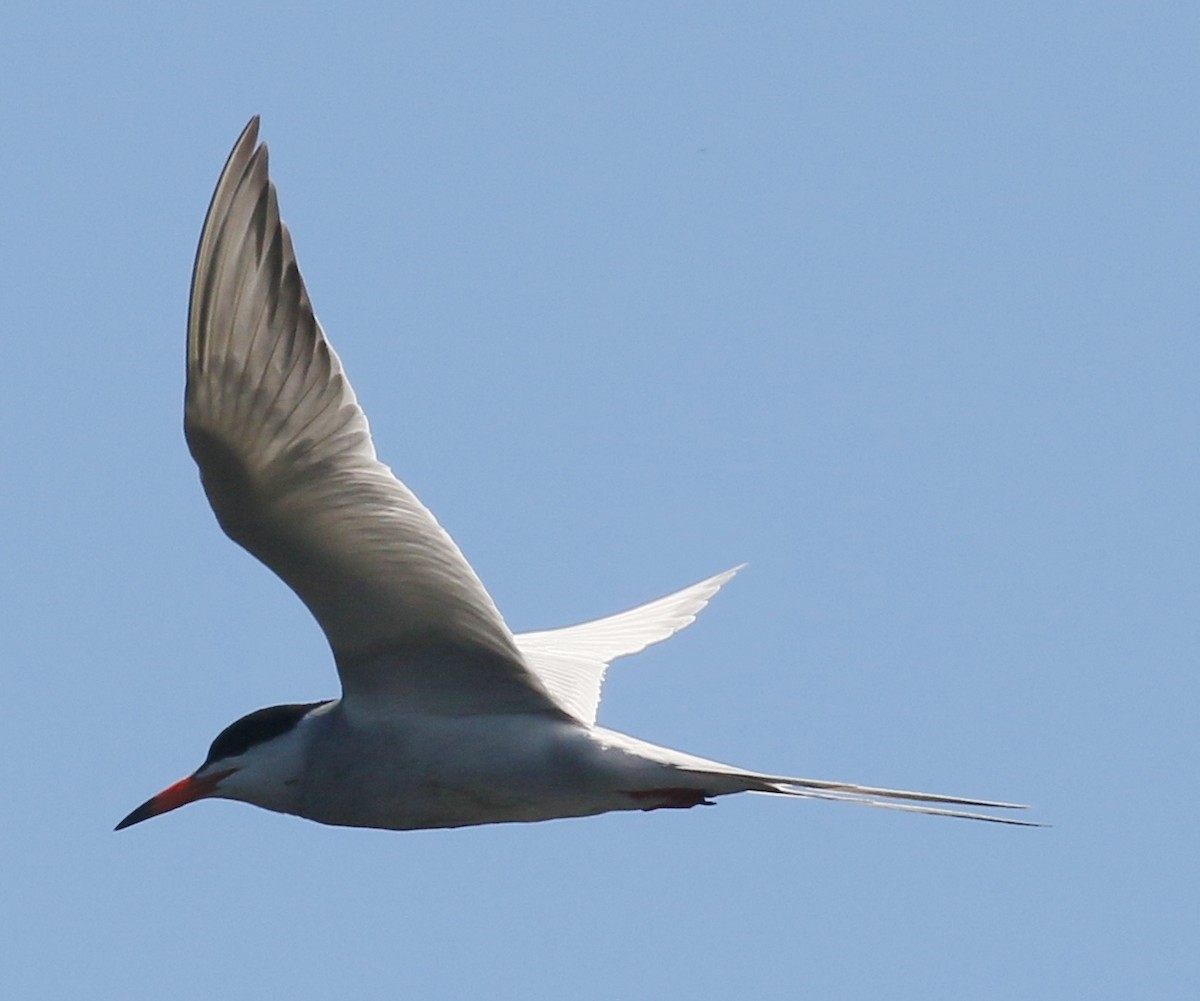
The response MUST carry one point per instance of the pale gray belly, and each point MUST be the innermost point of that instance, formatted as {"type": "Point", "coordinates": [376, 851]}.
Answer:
{"type": "Point", "coordinates": [423, 772]}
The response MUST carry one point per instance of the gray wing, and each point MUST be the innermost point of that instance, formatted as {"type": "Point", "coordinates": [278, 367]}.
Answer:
{"type": "Point", "coordinates": [287, 461]}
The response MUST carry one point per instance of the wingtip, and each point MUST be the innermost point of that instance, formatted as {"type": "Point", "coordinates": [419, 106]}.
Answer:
{"type": "Point", "coordinates": [251, 129]}
{"type": "Point", "coordinates": [246, 143]}
{"type": "Point", "coordinates": [719, 580]}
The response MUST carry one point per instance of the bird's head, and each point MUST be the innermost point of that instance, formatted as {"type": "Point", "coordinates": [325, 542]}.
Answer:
{"type": "Point", "coordinates": [257, 759]}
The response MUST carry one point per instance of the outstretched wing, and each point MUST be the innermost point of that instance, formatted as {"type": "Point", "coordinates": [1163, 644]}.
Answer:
{"type": "Point", "coordinates": [287, 461]}
{"type": "Point", "coordinates": [571, 662]}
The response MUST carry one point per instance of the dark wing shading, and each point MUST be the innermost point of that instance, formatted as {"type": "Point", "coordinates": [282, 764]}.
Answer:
{"type": "Point", "coordinates": [287, 462]}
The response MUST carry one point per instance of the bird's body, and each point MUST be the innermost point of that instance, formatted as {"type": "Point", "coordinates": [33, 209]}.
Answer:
{"type": "Point", "coordinates": [411, 771]}
{"type": "Point", "coordinates": [447, 719]}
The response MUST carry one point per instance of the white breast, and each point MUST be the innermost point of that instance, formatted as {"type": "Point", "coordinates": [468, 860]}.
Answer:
{"type": "Point", "coordinates": [406, 772]}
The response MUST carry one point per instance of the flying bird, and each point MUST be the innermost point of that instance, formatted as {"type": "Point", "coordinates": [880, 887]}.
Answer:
{"type": "Point", "coordinates": [446, 717]}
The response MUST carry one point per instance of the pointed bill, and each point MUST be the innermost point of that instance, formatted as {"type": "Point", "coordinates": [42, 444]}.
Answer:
{"type": "Point", "coordinates": [184, 791]}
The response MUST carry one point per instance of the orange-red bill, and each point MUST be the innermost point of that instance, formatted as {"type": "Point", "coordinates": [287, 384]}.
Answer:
{"type": "Point", "coordinates": [184, 791]}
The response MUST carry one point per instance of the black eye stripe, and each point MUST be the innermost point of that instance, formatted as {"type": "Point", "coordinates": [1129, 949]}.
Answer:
{"type": "Point", "coordinates": [257, 728]}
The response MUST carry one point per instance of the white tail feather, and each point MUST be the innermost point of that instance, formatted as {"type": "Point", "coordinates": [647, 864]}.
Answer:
{"type": "Point", "coordinates": [936, 811]}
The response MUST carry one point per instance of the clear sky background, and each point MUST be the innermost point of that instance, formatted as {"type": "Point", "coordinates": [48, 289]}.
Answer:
{"type": "Point", "coordinates": [896, 303]}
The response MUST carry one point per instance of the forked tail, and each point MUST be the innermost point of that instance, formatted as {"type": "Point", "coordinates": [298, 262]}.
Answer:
{"type": "Point", "coordinates": [884, 799]}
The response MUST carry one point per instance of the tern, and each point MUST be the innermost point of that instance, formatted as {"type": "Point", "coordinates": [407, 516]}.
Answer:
{"type": "Point", "coordinates": [446, 718]}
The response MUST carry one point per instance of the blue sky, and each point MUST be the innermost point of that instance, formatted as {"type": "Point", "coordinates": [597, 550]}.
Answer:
{"type": "Point", "coordinates": [896, 304]}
